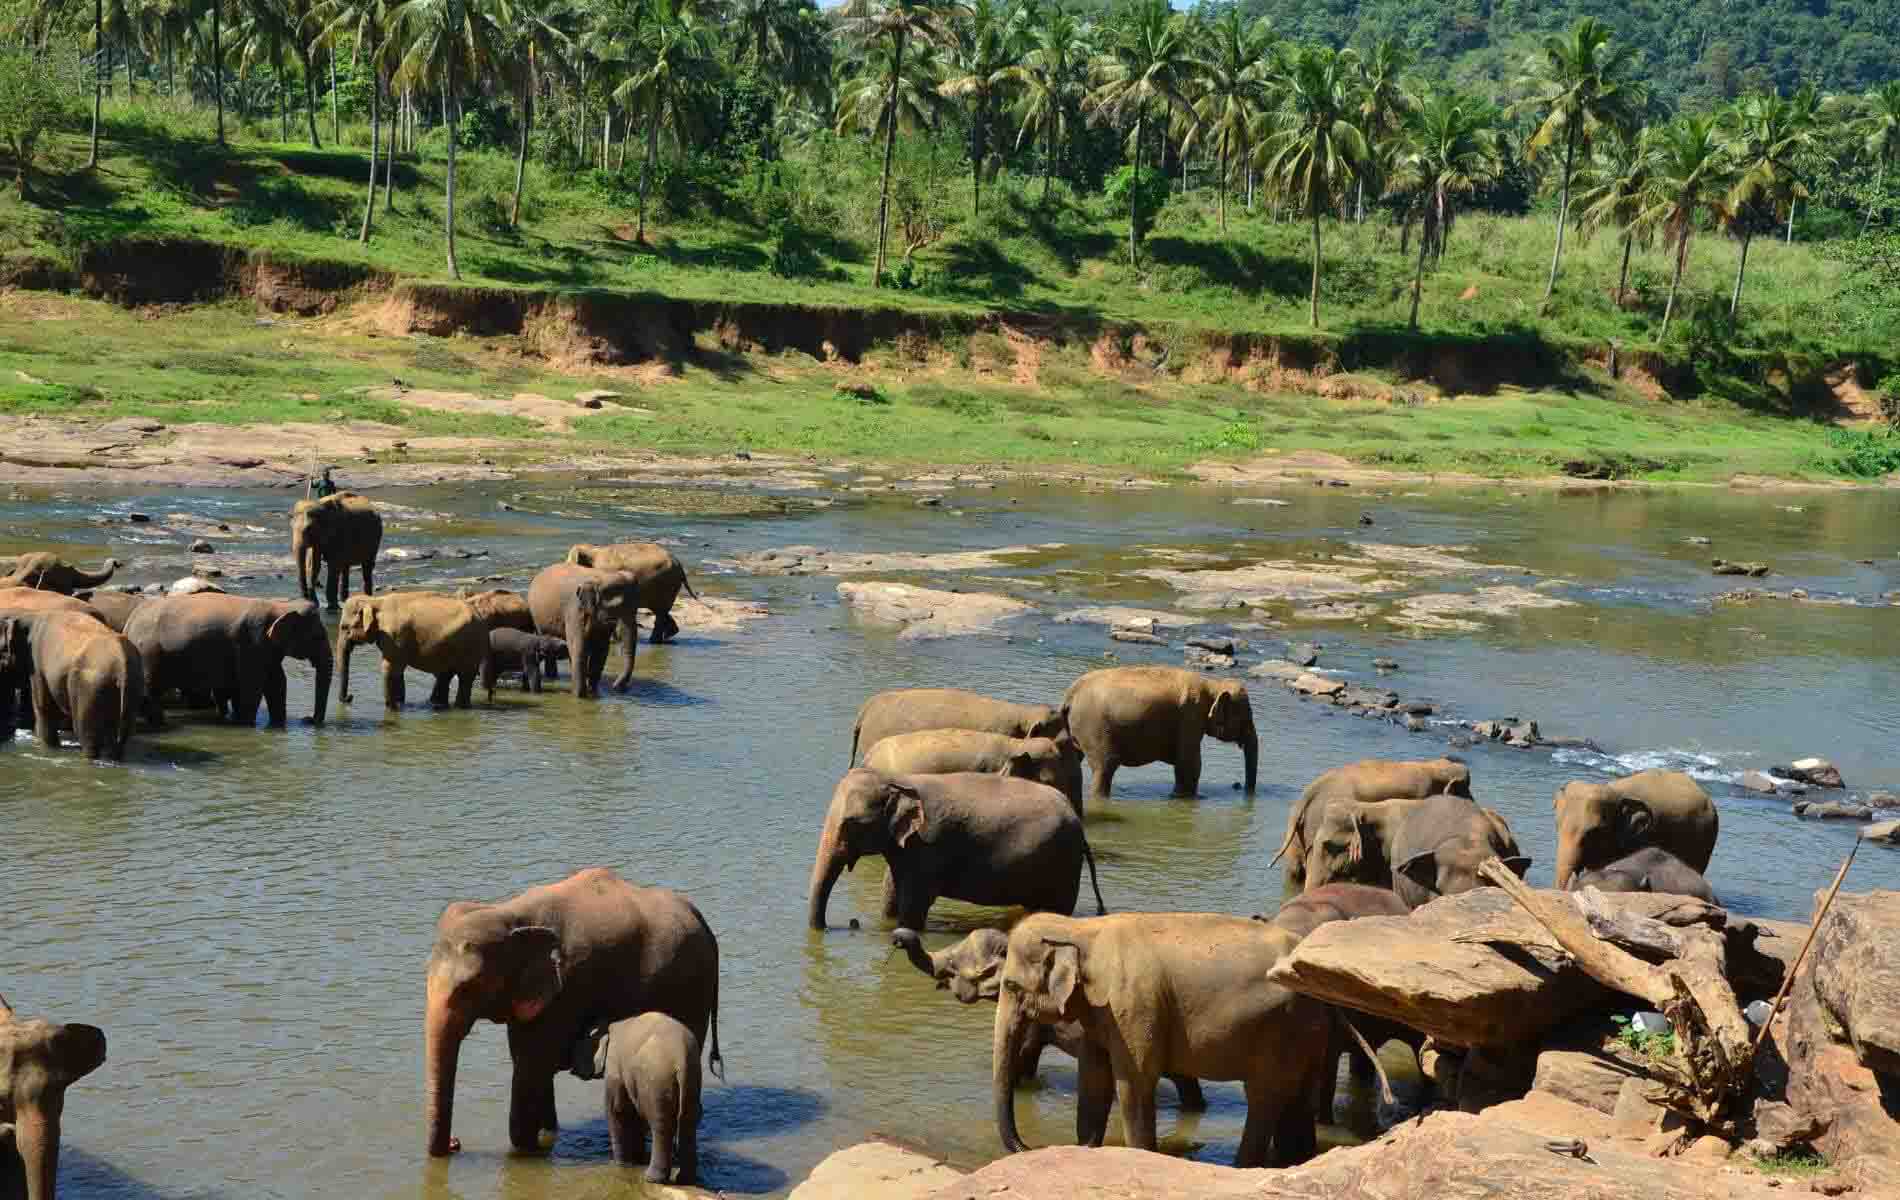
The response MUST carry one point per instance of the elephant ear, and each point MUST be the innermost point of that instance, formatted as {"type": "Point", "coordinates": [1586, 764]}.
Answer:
{"type": "Point", "coordinates": [77, 1051]}
{"type": "Point", "coordinates": [907, 813]}
{"type": "Point", "coordinates": [1020, 763]}
{"type": "Point", "coordinates": [1422, 869]}
{"type": "Point", "coordinates": [1064, 979]}
{"type": "Point", "coordinates": [1517, 864]}
{"type": "Point", "coordinates": [1356, 844]}
{"type": "Point", "coordinates": [534, 966]}
{"type": "Point", "coordinates": [282, 632]}
{"type": "Point", "coordinates": [1633, 824]}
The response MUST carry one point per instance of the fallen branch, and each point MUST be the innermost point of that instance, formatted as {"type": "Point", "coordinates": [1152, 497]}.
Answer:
{"type": "Point", "coordinates": [1631, 931]}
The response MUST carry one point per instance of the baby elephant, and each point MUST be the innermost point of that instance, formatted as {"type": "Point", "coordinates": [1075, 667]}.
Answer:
{"type": "Point", "coordinates": [1651, 869]}
{"type": "Point", "coordinates": [510, 650]}
{"type": "Point", "coordinates": [651, 1065]}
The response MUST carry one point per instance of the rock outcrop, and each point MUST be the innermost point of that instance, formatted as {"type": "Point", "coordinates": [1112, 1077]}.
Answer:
{"type": "Point", "coordinates": [929, 613]}
{"type": "Point", "coordinates": [877, 1169]}
{"type": "Point", "coordinates": [1856, 973]}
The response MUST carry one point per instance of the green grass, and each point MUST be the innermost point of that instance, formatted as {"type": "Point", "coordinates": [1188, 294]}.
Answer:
{"type": "Point", "coordinates": [1798, 1164]}
{"type": "Point", "coordinates": [1653, 1045]}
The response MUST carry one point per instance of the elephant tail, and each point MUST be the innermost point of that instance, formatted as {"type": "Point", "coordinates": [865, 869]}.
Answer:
{"type": "Point", "coordinates": [856, 726]}
{"type": "Point", "coordinates": [1101, 910]}
{"type": "Point", "coordinates": [715, 1061]}
{"type": "Point", "coordinates": [1372, 1055]}
{"type": "Point", "coordinates": [688, 585]}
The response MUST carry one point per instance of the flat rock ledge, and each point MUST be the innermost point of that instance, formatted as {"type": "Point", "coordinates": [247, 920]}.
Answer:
{"type": "Point", "coordinates": [875, 1169]}
{"type": "Point", "coordinates": [928, 613]}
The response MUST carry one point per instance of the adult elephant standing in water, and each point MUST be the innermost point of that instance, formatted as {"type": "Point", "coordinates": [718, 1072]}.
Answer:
{"type": "Point", "coordinates": [436, 634]}
{"type": "Point", "coordinates": [1132, 716]}
{"type": "Point", "coordinates": [82, 675]}
{"type": "Point", "coordinates": [1598, 823]}
{"type": "Point", "coordinates": [913, 710]}
{"type": "Point", "coordinates": [343, 530]}
{"type": "Point", "coordinates": [658, 573]}
{"type": "Point", "coordinates": [1366, 782]}
{"type": "Point", "coordinates": [581, 606]}
{"type": "Point", "coordinates": [551, 964]}
{"type": "Point", "coordinates": [234, 648]}
{"type": "Point", "coordinates": [38, 1062]}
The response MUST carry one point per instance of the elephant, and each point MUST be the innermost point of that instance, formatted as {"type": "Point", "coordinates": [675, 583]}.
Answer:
{"type": "Point", "coordinates": [912, 710]}
{"type": "Point", "coordinates": [436, 634]}
{"type": "Point", "coordinates": [343, 530]}
{"type": "Point", "coordinates": [1055, 761]}
{"type": "Point", "coordinates": [1421, 849]}
{"type": "Point", "coordinates": [234, 648]}
{"type": "Point", "coordinates": [500, 608]}
{"type": "Point", "coordinates": [551, 964]}
{"type": "Point", "coordinates": [115, 608]}
{"type": "Point", "coordinates": [1131, 716]}
{"type": "Point", "coordinates": [16, 696]}
{"type": "Point", "coordinates": [512, 650]}
{"type": "Point", "coordinates": [1598, 823]}
{"type": "Point", "coordinates": [1369, 779]}
{"type": "Point", "coordinates": [651, 1065]}
{"type": "Point", "coordinates": [1651, 869]}
{"type": "Point", "coordinates": [82, 674]}
{"type": "Point", "coordinates": [39, 1060]}
{"type": "Point", "coordinates": [51, 573]}
{"type": "Point", "coordinates": [581, 605]}
{"type": "Point", "coordinates": [1157, 994]}
{"type": "Point", "coordinates": [661, 576]}
{"type": "Point", "coordinates": [982, 839]}
{"type": "Point", "coordinates": [971, 970]}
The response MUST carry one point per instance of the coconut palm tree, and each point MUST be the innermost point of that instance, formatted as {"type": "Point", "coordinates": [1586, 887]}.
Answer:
{"type": "Point", "coordinates": [1610, 194]}
{"type": "Point", "coordinates": [981, 48]}
{"type": "Point", "coordinates": [362, 22]}
{"type": "Point", "coordinates": [1580, 84]}
{"type": "Point", "coordinates": [1234, 90]}
{"type": "Point", "coordinates": [447, 43]}
{"type": "Point", "coordinates": [530, 32]}
{"type": "Point", "coordinates": [1384, 103]}
{"type": "Point", "coordinates": [1451, 147]}
{"type": "Point", "coordinates": [1048, 81]}
{"type": "Point", "coordinates": [1768, 133]}
{"type": "Point", "coordinates": [1146, 61]}
{"type": "Point", "coordinates": [672, 64]}
{"type": "Point", "coordinates": [1877, 130]}
{"type": "Point", "coordinates": [1690, 176]}
{"type": "Point", "coordinates": [98, 77]}
{"type": "Point", "coordinates": [1313, 146]}
{"type": "Point", "coordinates": [892, 24]}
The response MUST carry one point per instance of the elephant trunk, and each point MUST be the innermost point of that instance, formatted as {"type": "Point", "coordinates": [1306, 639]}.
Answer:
{"type": "Point", "coordinates": [93, 579]}
{"type": "Point", "coordinates": [36, 1137]}
{"type": "Point", "coordinates": [913, 948]}
{"type": "Point", "coordinates": [1250, 748]}
{"type": "Point", "coordinates": [825, 869]}
{"type": "Point", "coordinates": [302, 549]}
{"type": "Point", "coordinates": [1566, 862]}
{"type": "Point", "coordinates": [443, 1031]}
{"type": "Point", "coordinates": [342, 658]}
{"type": "Point", "coordinates": [1004, 1049]}
{"type": "Point", "coordinates": [325, 663]}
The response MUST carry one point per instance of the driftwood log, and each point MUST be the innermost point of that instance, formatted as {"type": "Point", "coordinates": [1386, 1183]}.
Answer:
{"type": "Point", "coordinates": [1690, 989]}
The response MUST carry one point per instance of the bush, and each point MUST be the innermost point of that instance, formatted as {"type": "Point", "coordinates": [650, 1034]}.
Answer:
{"type": "Point", "coordinates": [1888, 398]}
{"type": "Point", "coordinates": [1153, 196]}
{"type": "Point", "coordinates": [793, 256]}
{"type": "Point", "coordinates": [1863, 454]}
{"type": "Point", "coordinates": [34, 100]}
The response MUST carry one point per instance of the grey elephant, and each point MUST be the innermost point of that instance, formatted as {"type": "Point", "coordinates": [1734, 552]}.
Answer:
{"type": "Point", "coordinates": [39, 1060]}
{"type": "Point", "coordinates": [659, 574]}
{"type": "Point", "coordinates": [651, 1065]}
{"type": "Point", "coordinates": [48, 572]}
{"type": "Point", "coordinates": [81, 675]}
{"type": "Point", "coordinates": [1365, 781]}
{"type": "Point", "coordinates": [342, 530]}
{"type": "Point", "coordinates": [1159, 994]}
{"type": "Point", "coordinates": [582, 605]}
{"type": "Point", "coordinates": [912, 710]}
{"type": "Point", "coordinates": [16, 691]}
{"type": "Point", "coordinates": [1055, 761]}
{"type": "Point", "coordinates": [1421, 849]}
{"type": "Point", "coordinates": [1597, 823]}
{"type": "Point", "coordinates": [435, 634]}
{"type": "Point", "coordinates": [1651, 869]}
{"type": "Point", "coordinates": [551, 964]}
{"type": "Point", "coordinates": [510, 650]}
{"type": "Point", "coordinates": [982, 839]}
{"type": "Point", "coordinates": [1131, 716]}
{"type": "Point", "coordinates": [115, 608]}
{"type": "Point", "coordinates": [233, 648]}
{"type": "Point", "coordinates": [972, 971]}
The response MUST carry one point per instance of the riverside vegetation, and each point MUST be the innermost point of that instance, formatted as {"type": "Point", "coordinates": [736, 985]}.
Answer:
{"type": "Point", "coordinates": [1075, 206]}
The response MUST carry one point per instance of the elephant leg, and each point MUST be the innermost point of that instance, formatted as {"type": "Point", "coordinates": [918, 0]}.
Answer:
{"type": "Point", "coordinates": [665, 628]}
{"type": "Point", "coordinates": [276, 696]}
{"type": "Point", "coordinates": [1295, 1136]}
{"type": "Point", "coordinates": [665, 1127]}
{"type": "Point", "coordinates": [550, 667]}
{"type": "Point", "coordinates": [596, 666]}
{"type": "Point", "coordinates": [45, 713]}
{"type": "Point", "coordinates": [1188, 1094]}
{"type": "Point", "coordinates": [1265, 1098]}
{"type": "Point", "coordinates": [1137, 1099]}
{"type": "Point", "coordinates": [464, 689]}
{"type": "Point", "coordinates": [439, 695]}
{"type": "Point", "coordinates": [531, 1108]}
{"type": "Point", "coordinates": [369, 586]}
{"type": "Point", "coordinates": [1094, 1095]}
{"type": "Point", "coordinates": [686, 1156]}
{"type": "Point", "coordinates": [343, 577]}
{"type": "Point", "coordinates": [329, 587]}
{"type": "Point", "coordinates": [890, 896]}
{"type": "Point", "coordinates": [623, 1127]}
{"type": "Point", "coordinates": [1187, 768]}
{"type": "Point", "coordinates": [625, 679]}
{"type": "Point", "coordinates": [1102, 778]}
{"type": "Point", "coordinates": [392, 685]}
{"type": "Point", "coordinates": [914, 898]}
{"type": "Point", "coordinates": [531, 673]}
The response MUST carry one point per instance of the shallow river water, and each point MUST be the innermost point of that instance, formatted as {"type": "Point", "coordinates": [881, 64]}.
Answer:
{"type": "Point", "coordinates": [247, 913]}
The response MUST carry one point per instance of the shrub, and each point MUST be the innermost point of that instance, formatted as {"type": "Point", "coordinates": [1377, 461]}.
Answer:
{"type": "Point", "coordinates": [1153, 195]}
{"type": "Point", "coordinates": [1863, 454]}
{"type": "Point", "coordinates": [34, 100]}
{"type": "Point", "coordinates": [793, 255]}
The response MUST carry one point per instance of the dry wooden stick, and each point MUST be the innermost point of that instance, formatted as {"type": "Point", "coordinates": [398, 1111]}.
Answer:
{"type": "Point", "coordinates": [1787, 980]}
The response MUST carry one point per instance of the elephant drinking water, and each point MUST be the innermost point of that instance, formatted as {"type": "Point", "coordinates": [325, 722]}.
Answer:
{"type": "Point", "coordinates": [1366, 781]}
{"type": "Point", "coordinates": [51, 573]}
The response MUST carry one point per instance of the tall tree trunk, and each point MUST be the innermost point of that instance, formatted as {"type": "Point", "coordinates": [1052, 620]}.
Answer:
{"type": "Point", "coordinates": [1359, 204]}
{"type": "Point", "coordinates": [131, 83]}
{"type": "Point", "coordinates": [1563, 210]}
{"type": "Point", "coordinates": [283, 94]}
{"type": "Point", "coordinates": [521, 156]}
{"type": "Point", "coordinates": [1675, 284]}
{"type": "Point", "coordinates": [646, 169]}
{"type": "Point", "coordinates": [375, 147]}
{"type": "Point", "coordinates": [171, 87]}
{"type": "Point", "coordinates": [1741, 268]}
{"type": "Point", "coordinates": [1623, 280]}
{"type": "Point", "coordinates": [336, 111]}
{"type": "Point", "coordinates": [606, 135]}
{"type": "Point", "coordinates": [217, 68]}
{"type": "Point", "coordinates": [1418, 280]}
{"type": "Point", "coordinates": [1221, 183]}
{"type": "Point", "coordinates": [1048, 160]}
{"type": "Point", "coordinates": [1316, 264]}
{"type": "Point", "coordinates": [98, 84]}
{"type": "Point", "coordinates": [310, 100]}
{"type": "Point", "coordinates": [890, 147]}
{"type": "Point", "coordinates": [1880, 183]}
{"type": "Point", "coordinates": [1134, 193]}
{"type": "Point", "coordinates": [389, 152]}
{"type": "Point", "coordinates": [448, 208]}
{"type": "Point", "coordinates": [1791, 203]}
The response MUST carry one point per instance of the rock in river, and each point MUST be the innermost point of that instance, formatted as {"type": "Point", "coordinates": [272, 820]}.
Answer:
{"type": "Point", "coordinates": [1832, 810]}
{"type": "Point", "coordinates": [1309, 684]}
{"type": "Point", "coordinates": [929, 613]}
{"type": "Point", "coordinates": [1816, 771]}
{"type": "Point", "coordinates": [1886, 831]}
{"type": "Point", "coordinates": [1756, 781]}
{"type": "Point", "coordinates": [1722, 566]}
{"type": "Point", "coordinates": [875, 1169]}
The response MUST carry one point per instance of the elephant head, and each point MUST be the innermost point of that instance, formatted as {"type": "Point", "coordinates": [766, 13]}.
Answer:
{"type": "Point", "coordinates": [1045, 721]}
{"type": "Point", "coordinates": [484, 966]}
{"type": "Point", "coordinates": [1596, 824]}
{"type": "Point", "coordinates": [1350, 845]}
{"type": "Point", "coordinates": [1053, 761]}
{"type": "Point", "coordinates": [1230, 719]}
{"type": "Point", "coordinates": [1044, 982]}
{"type": "Point", "coordinates": [50, 573]}
{"type": "Point", "coordinates": [1450, 865]}
{"type": "Point", "coordinates": [38, 1062]}
{"type": "Point", "coordinates": [869, 814]}
{"type": "Point", "coordinates": [298, 632]}
{"type": "Point", "coordinates": [588, 1059]}
{"type": "Point", "coordinates": [971, 970]}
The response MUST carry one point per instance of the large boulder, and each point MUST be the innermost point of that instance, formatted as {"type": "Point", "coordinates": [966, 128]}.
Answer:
{"type": "Point", "coordinates": [1814, 1091]}
{"type": "Point", "coordinates": [1856, 975]}
{"type": "Point", "coordinates": [1585, 1063]}
{"type": "Point", "coordinates": [875, 1169]}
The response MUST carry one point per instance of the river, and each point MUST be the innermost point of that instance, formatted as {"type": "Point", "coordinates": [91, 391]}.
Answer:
{"type": "Point", "coordinates": [247, 914]}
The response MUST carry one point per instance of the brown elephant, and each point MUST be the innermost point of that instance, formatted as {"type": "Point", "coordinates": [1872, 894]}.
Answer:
{"type": "Point", "coordinates": [1132, 716]}
{"type": "Point", "coordinates": [660, 574]}
{"type": "Point", "coordinates": [581, 606]}
{"type": "Point", "coordinates": [115, 608]}
{"type": "Point", "coordinates": [982, 839]}
{"type": "Point", "coordinates": [16, 695]}
{"type": "Point", "coordinates": [1365, 781]}
{"type": "Point", "coordinates": [552, 964]}
{"type": "Point", "coordinates": [1421, 849]}
{"type": "Point", "coordinates": [1164, 994]}
{"type": "Point", "coordinates": [651, 1067]}
{"type": "Point", "coordinates": [234, 648]}
{"type": "Point", "coordinates": [38, 1062]}
{"type": "Point", "coordinates": [81, 674]}
{"type": "Point", "coordinates": [912, 710]}
{"type": "Point", "coordinates": [1056, 762]}
{"type": "Point", "coordinates": [1650, 869]}
{"type": "Point", "coordinates": [342, 530]}
{"type": "Point", "coordinates": [1598, 823]}
{"type": "Point", "coordinates": [500, 608]}
{"type": "Point", "coordinates": [51, 573]}
{"type": "Point", "coordinates": [972, 970]}
{"type": "Point", "coordinates": [433, 633]}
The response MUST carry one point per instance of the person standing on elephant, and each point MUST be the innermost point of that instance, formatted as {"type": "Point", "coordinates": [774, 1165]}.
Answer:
{"type": "Point", "coordinates": [1132, 716]}
{"type": "Point", "coordinates": [326, 486]}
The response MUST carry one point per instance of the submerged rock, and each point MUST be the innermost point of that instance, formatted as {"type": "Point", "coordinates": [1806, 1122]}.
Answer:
{"type": "Point", "coordinates": [1754, 570]}
{"type": "Point", "coordinates": [1137, 636]}
{"type": "Point", "coordinates": [1207, 660]}
{"type": "Point", "coordinates": [928, 613]}
{"type": "Point", "coordinates": [1276, 668]}
{"type": "Point", "coordinates": [1309, 684]}
{"type": "Point", "coordinates": [1832, 810]}
{"type": "Point", "coordinates": [1756, 781]}
{"type": "Point", "coordinates": [1451, 611]}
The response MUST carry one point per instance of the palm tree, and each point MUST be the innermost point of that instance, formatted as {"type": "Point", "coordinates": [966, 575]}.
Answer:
{"type": "Point", "coordinates": [1313, 147]}
{"type": "Point", "coordinates": [1384, 101]}
{"type": "Point", "coordinates": [530, 30]}
{"type": "Point", "coordinates": [98, 77]}
{"type": "Point", "coordinates": [1048, 81]}
{"type": "Point", "coordinates": [362, 22]}
{"type": "Point", "coordinates": [1610, 192]}
{"type": "Point", "coordinates": [776, 35]}
{"type": "Point", "coordinates": [1451, 148]}
{"type": "Point", "coordinates": [1878, 132]}
{"type": "Point", "coordinates": [1147, 60]}
{"type": "Point", "coordinates": [1233, 89]}
{"type": "Point", "coordinates": [1768, 133]}
{"type": "Point", "coordinates": [1581, 85]}
{"type": "Point", "coordinates": [982, 48]}
{"type": "Point", "coordinates": [1690, 174]}
{"type": "Point", "coordinates": [672, 63]}
{"type": "Point", "coordinates": [892, 23]}
{"type": "Point", "coordinates": [448, 40]}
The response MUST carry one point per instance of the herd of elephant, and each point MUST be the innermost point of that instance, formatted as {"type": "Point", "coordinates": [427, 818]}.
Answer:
{"type": "Point", "coordinates": [964, 796]}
